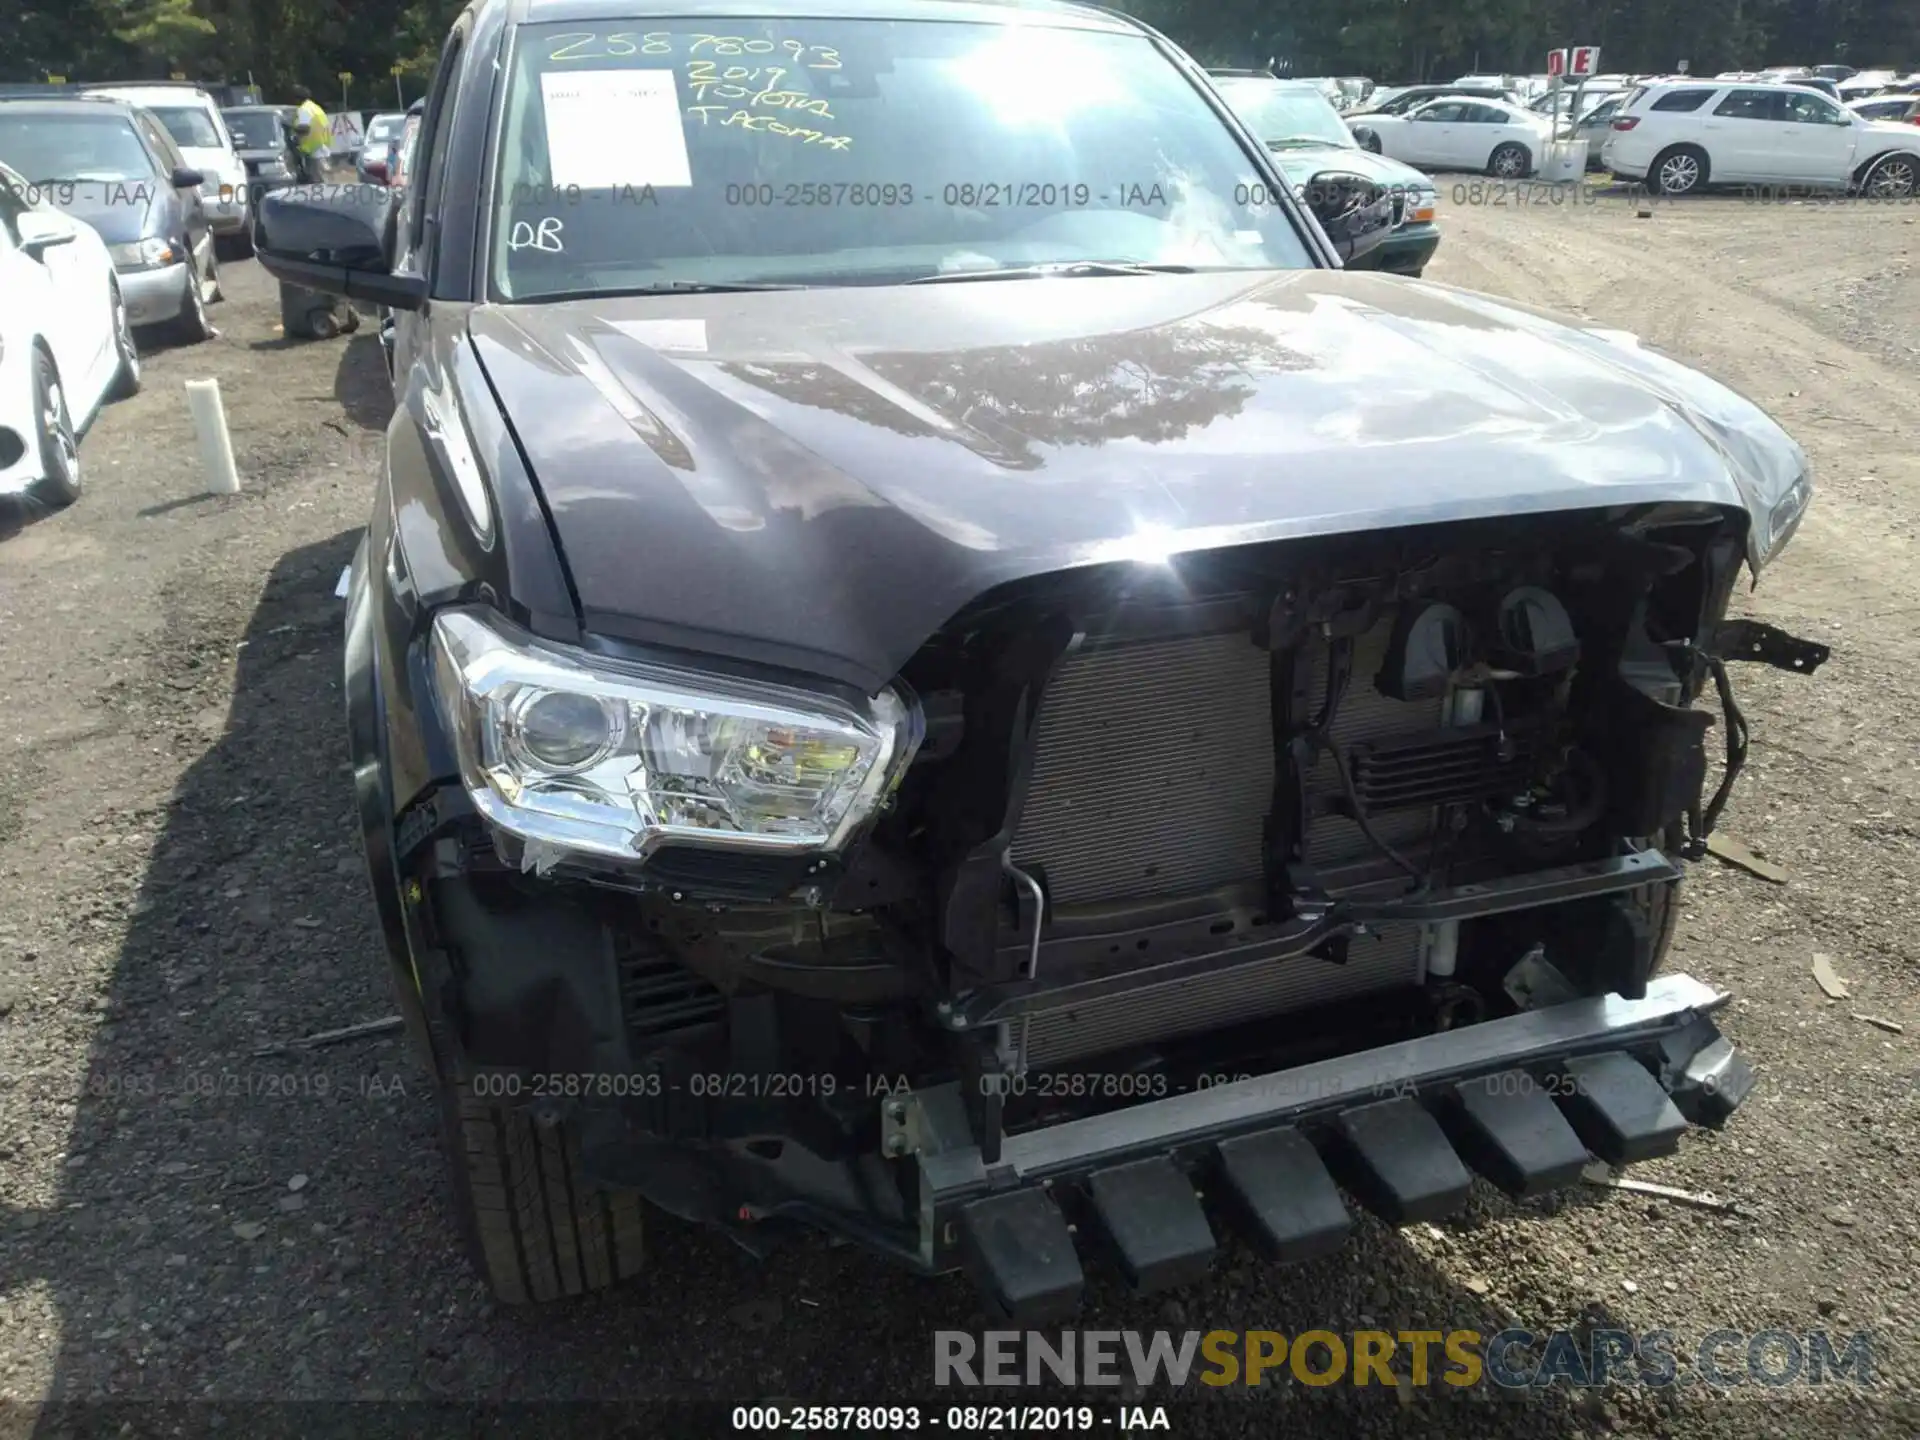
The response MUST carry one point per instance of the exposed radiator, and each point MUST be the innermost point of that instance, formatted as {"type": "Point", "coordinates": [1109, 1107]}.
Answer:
{"type": "Point", "coordinates": [1153, 774]}
{"type": "Point", "coordinates": [1153, 770]}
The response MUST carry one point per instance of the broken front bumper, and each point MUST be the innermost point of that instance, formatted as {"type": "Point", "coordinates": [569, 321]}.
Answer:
{"type": "Point", "coordinates": [1526, 1101]}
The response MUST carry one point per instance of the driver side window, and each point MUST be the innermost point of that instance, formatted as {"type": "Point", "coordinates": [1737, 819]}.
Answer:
{"type": "Point", "coordinates": [1812, 110]}
{"type": "Point", "coordinates": [1444, 114]}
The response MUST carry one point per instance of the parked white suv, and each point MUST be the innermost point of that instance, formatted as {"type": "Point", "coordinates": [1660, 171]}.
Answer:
{"type": "Point", "coordinates": [1680, 135]}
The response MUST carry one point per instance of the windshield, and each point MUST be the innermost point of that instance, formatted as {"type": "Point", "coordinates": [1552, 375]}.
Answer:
{"type": "Point", "coordinates": [190, 126]}
{"type": "Point", "coordinates": [383, 128]}
{"type": "Point", "coordinates": [73, 147]}
{"type": "Point", "coordinates": [1276, 111]}
{"type": "Point", "coordinates": [252, 129]}
{"type": "Point", "coordinates": [860, 151]}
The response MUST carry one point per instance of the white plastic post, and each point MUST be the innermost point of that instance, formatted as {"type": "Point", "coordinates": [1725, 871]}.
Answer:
{"type": "Point", "coordinates": [216, 446]}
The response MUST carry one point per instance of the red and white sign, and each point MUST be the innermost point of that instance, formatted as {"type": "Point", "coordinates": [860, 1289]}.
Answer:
{"type": "Point", "coordinates": [1556, 62]}
{"type": "Point", "coordinates": [1584, 61]}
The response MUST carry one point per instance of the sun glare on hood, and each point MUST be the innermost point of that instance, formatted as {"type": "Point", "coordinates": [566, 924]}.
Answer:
{"type": "Point", "coordinates": [1149, 545]}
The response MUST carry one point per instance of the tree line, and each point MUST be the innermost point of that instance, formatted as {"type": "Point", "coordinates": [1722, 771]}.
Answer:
{"type": "Point", "coordinates": [278, 43]}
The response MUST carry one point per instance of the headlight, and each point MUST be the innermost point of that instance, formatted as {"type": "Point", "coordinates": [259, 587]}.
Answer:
{"type": "Point", "coordinates": [1786, 515]}
{"type": "Point", "coordinates": [275, 168]}
{"type": "Point", "coordinates": [143, 254]}
{"type": "Point", "coordinates": [1421, 205]}
{"type": "Point", "coordinates": [612, 759]}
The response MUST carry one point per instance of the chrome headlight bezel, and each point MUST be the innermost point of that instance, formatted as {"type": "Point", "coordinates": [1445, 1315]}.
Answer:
{"type": "Point", "coordinates": [666, 726]}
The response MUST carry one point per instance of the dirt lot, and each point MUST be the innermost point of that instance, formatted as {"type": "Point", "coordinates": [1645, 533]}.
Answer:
{"type": "Point", "coordinates": [180, 1220]}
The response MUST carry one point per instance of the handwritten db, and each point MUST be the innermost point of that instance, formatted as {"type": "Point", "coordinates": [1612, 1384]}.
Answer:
{"type": "Point", "coordinates": [525, 235]}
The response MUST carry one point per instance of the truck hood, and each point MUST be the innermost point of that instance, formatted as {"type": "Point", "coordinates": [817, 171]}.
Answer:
{"type": "Point", "coordinates": [821, 478]}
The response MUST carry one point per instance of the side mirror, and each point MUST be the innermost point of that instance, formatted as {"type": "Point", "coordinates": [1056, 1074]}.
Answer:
{"type": "Point", "coordinates": [339, 240]}
{"type": "Point", "coordinates": [1366, 135]}
{"type": "Point", "coordinates": [41, 233]}
{"type": "Point", "coordinates": [185, 179]}
{"type": "Point", "coordinates": [1356, 213]}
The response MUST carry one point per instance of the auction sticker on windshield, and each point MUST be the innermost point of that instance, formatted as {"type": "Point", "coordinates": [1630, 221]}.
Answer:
{"type": "Point", "coordinates": [614, 128]}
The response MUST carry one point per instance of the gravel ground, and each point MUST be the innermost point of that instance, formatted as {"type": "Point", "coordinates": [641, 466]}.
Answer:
{"type": "Point", "coordinates": [181, 1220]}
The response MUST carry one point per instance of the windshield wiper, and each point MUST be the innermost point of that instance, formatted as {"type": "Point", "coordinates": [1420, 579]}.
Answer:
{"type": "Point", "coordinates": [1061, 267]}
{"type": "Point", "coordinates": [703, 287]}
{"type": "Point", "coordinates": [1304, 140]}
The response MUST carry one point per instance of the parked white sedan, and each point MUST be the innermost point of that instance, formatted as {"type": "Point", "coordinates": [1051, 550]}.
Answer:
{"type": "Point", "coordinates": [65, 345]}
{"type": "Point", "coordinates": [1456, 133]}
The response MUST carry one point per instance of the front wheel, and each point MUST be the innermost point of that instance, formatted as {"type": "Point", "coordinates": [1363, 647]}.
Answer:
{"type": "Point", "coordinates": [126, 375]}
{"type": "Point", "coordinates": [533, 1226]}
{"type": "Point", "coordinates": [1894, 177]}
{"type": "Point", "coordinates": [193, 326]}
{"type": "Point", "coordinates": [59, 444]}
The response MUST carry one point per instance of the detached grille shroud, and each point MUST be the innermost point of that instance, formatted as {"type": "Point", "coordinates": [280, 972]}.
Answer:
{"type": "Point", "coordinates": [1153, 774]}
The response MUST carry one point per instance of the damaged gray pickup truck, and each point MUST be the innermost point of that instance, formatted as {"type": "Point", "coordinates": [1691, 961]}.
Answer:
{"type": "Point", "coordinates": [929, 665]}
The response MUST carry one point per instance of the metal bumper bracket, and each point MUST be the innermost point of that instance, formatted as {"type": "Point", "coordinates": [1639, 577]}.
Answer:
{"type": "Point", "coordinates": [1766, 644]}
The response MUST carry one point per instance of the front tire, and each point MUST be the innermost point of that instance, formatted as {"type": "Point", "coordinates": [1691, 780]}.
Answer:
{"type": "Point", "coordinates": [59, 443]}
{"type": "Point", "coordinates": [1510, 161]}
{"type": "Point", "coordinates": [193, 326]}
{"type": "Point", "coordinates": [126, 376]}
{"type": "Point", "coordinates": [1892, 177]}
{"type": "Point", "coordinates": [1681, 170]}
{"type": "Point", "coordinates": [533, 1226]}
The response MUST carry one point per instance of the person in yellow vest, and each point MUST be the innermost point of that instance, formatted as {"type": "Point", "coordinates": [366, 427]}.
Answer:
{"type": "Point", "coordinates": [312, 132]}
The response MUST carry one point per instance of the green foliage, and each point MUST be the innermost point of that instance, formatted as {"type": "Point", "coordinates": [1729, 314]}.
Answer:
{"type": "Point", "coordinates": [280, 42]}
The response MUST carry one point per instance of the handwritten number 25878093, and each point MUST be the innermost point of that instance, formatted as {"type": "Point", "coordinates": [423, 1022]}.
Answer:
{"type": "Point", "coordinates": [588, 45]}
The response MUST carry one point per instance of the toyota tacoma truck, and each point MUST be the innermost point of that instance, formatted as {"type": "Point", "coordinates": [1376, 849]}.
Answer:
{"type": "Point", "coordinates": [930, 665]}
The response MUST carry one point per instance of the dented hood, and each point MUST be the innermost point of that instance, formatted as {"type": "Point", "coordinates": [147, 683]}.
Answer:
{"type": "Point", "coordinates": [821, 478]}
